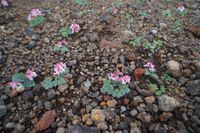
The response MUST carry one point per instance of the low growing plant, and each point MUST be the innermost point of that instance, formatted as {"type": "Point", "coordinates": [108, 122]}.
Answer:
{"type": "Point", "coordinates": [150, 71]}
{"type": "Point", "coordinates": [181, 10]}
{"type": "Point", "coordinates": [81, 2]}
{"type": "Point", "coordinates": [129, 18]}
{"type": "Point", "coordinates": [167, 77]}
{"type": "Point", "coordinates": [177, 26]}
{"type": "Point", "coordinates": [168, 14]}
{"type": "Point", "coordinates": [137, 41]}
{"type": "Point", "coordinates": [22, 79]}
{"type": "Point", "coordinates": [116, 85]}
{"type": "Point", "coordinates": [65, 32]}
{"type": "Point", "coordinates": [60, 70]}
{"type": "Point", "coordinates": [35, 17]}
{"type": "Point", "coordinates": [60, 46]}
{"type": "Point", "coordinates": [152, 46]}
{"type": "Point", "coordinates": [144, 14]}
{"type": "Point", "coordinates": [158, 90]}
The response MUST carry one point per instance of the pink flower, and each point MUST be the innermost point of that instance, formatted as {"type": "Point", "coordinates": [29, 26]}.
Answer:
{"type": "Point", "coordinates": [59, 68]}
{"type": "Point", "coordinates": [181, 8]}
{"type": "Point", "coordinates": [115, 10]}
{"type": "Point", "coordinates": [127, 78]}
{"type": "Point", "coordinates": [30, 74]}
{"type": "Point", "coordinates": [150, 66]}
{"type": "Point", "coordinates": [118, 72]}
{"type": "Point", "coordinates": [63, 41]}
{"type": "Point", "coordinates": [59, 44]}
{"type": "Point", "coordinates": [14, 84]}
{"type": "Point", "coordinates": [75, 28]}
{"type": "Point", "coordinates": [149, 10]}
{"type": "Point", "coordinates": [36, 12]}
{"type": "Point", "coordinates": [116, 77]}
{"type": "Point", "coordinates": [4, 3]}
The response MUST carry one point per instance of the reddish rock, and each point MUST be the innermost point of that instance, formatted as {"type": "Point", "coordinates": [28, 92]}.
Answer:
{"type": "Point", "coordinates": [138, 72]}
{"type": "Point", "coordinates": [197, 55]}
{"type": "Point", "coordinates": [131, 57]}
{"type": "Point", "coordinates": [104, 44]}
{"type": "Point", "coordinates": [45, 121]}
{"type": "Point", "coordinates": [126, 101]}
{"type": "Point", "coordinates": [195, 30]}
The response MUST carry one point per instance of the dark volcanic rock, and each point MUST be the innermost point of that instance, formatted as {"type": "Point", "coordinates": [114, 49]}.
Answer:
{"type": "Point", "coordinates": [193, 87]}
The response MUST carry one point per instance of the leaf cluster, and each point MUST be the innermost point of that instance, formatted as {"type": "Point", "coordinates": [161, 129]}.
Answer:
{"type": "Point", "coordinates": [167, 77]}
{"type": "Point", "coordinates": [151, 74]}
{"type": "Point", "coordinates": [81, 2]}
{"type": "Point", "coordinates": [22, 79]}
{"type": "Point", "coordinates": [158, 90]}
{"type": "Point", "coordinates": [65, 32]}
{"type": "Point", "coordinates": [36, 21]}
{"type": "Point", "coordinates": [63, 48]}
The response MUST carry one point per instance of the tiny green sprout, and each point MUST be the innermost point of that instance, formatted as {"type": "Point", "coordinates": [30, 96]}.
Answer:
{"type": "Point", "coordinates": [65, 32]}
{"type": "Point", "coordinates": [158, 90]}
{"type": "Point", "coordinates": [137, 41]}
{"type": "Point", "coordinates": [130, 18]}
{"type": "Point", "coordinates": [49, 12]}
{"type": "Point", "coordinates": [144, 14]}
{"type": "Point", "coordinates": [167, 77]}
{"type": "Point", "coordinates": [81, 2]}
{"type": "Point", "coordinates": [177, 26]}
{"type": "Point", "coordinates": [139, 2]}
{"type": "Point", "coordinates": [168, 14]}
{"type": "Point", "coordinates": [151, 74]}
{"type": "Point", "coordinates": [83, 12]}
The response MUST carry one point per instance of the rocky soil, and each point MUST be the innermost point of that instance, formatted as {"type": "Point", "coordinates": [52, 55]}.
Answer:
{"type": "Point", "coordinates": [100, 47]}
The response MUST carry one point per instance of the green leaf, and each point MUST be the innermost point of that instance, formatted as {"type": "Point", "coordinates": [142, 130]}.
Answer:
{"type": "Point", "coordinates": [162, 88]}
{"type": "Point", "coordinates": [47, 83]}
{"type": "Point", "coordinates": [153, 75]}
{"type": "Point", "coordinates": [19, 77]}
{"type": "Point", "coordinates": [139, 2]}
{"type": "Point", "coordinates": [28, 83]}
{"type": "Point", "coordinates": [36, 21]}
{"type": "Point", "coordinates": [56, 48]}
{"type": "Point", "coordinates": [107, 81]}
{"type": "Point", "coordinates": [81, 2]}
{"type": "Point", "coordinates": [124, 89]}
{"type": "Point", "coordinates": [110, 10]}
{"type": "Point", "coordinates": [158, 93]}
{"type": "Point", "coordinates": [116, 93]}
{"type": "Point", "coordinates": [131, 20]}
{"type": "Point", "coordinates": [110, 89]}
{"type": "Point", "coordinates": [63, 48]}
{"type": "Point", "coordinates": [49, 12]}
{"type": "Point", "coordinates": [153, 86]}
{"type": "Point", "coordinates": [58, 81]}
{"type": "Point", "coordinates": [144, 14]}
{"type": "Point", "coordinates": [103, 89]}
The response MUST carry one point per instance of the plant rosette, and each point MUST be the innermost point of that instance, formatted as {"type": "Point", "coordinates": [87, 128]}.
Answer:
{"type": "Point", "coordinates": [60, 46]}
{"type": "Point", "coordinates": [60, 70]}
{"type": "Point", "coordinates": [35, 17]}
{"type": "Point", "coordinates": [150, 71]}
{"type": "Point", "coordinates": [116, 85]}
{"type": "Point", "coordinates": [181, 10]}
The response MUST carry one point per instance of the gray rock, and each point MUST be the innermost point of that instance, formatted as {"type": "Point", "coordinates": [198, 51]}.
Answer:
{"type": "Point", "coordinates": [133, 112]}
{"type": "Point", "coordinates": [27, 95]}
{"type": "Point", "coordinates": [122, 125]}
{"type": "Point", "coordinates": [193, 87]}
{"type": "Point", "coordinates": [40, 104]}
{"type": "Point", "coordinates": [60, 130]}
{"type": "Point", "coordinates": [104, 17]}
{"type": "Point", "coordinates": [123, 108]}
{"type": "Point", "coordinates": [163, 25]}
{"type": "Point", "coordinates": [51, 94]}
{"type": "Point", "coordinates": [31, 45]}
{"type": "Point", "coordinates": [72, 62]}
{"type": "Point", "coordinates": [48, 105]}
{"type": "Point", "coordinates": [63, 87]}
{"type": "Point", "coordinates": [87, 84]}
{"type": "Point", "coordinates": [93, 37]}
{"type": "Point", "coordinates": [122, 59]}
{"type": "Point", "coordinates": [10, 125]}
{"type": "Point", "coordinates": [78, 129]}
{"type": "Point", "coordinates": [167, 103]}
{"type": "Point", "coordinates": [84, 39]}
{"type": "Point", "coordinates": [30, 32]}
{"type": "Point", "coordinates": [27, 105]}
{"type": "Point", "coordinates": [102, 125]}
{"type": "Point", "coordinates": [135, 130]}
{"type": "Point", "coordinates": [173, 65]}
{"type": "Point", "coordinates": [19, 128]}
{"type": "Point", "coordinates": [79, 81]}
{"type": "Point", "coordinates": [144, 117]}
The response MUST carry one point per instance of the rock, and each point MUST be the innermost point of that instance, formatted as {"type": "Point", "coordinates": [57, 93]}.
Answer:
{"type": "Point", "coordinates": [63, 87]}
{"type": "Point", "coordinates": [193, 87]}
{"type": "Point", "coordinates": [89, 122]}
{"type": "Point", "coordinates": [144, 117]}
{"type": "Point", "coordinates": [197, 55]}
{"type": "Point", "coordinates": [167, 103]}
{"type": "Point", "coordinates": [78, 129]}
{"type": "Point", "coordinates": [30, 31]}
{"type": "Point", "coordinates": [40, 104]}
{"type": "Point", "coordinates": [133, 112]}
{"type": "Point", "coordinates": [102, 125]}
{"type": "Point", "coordinates": [173, 65]}
{"type": "Point", "coordinates": [60, 130]}
{"type": "Point", "coordinates": [10, 125]}
{"type": "Point", "coordinates": [154, 32]}
{"type": "Point", "coordinates": [13, 93]}
{"type": "Point", "coordinates": [104, 17]}
{"type": "Point", "coordinates": [84, 39]}
{"type": "Point", "coordinates": [62, 99]}
{"type": "Point", "coordinates": [145, 92]}
{"type": "Point", "coordinates": [31, 45]}
{"type": "Point", "coordinates": [27, 105]}
{"type": "Point", "coordinates": [45, 121]}
{"type": "Point", "coordinates": [195, 30]}
{"type": "Point", "coordinates": [79, 81]}
{"type": "Point", "coordinates": [131, 57]}
{"type": "Point", "coordinates": [51, 94]}
{"type": "Point", "coordinates": [122, 125]}
{"type": "Point", "coordinates": [122, 59]}
{"type": "Point", "coordinates": [48, 105]}
{"type": "Point", "coordinates": [135, 130]}
{"type": "Point", "coordinates": [197, 65]}
{"type": "Point", "coordinates": [104, 44]}
{"type": "Point", "coordinates": [87, 84]}
{"type": "Point", "coordinates": [19, 129]}
{"type": "Point", "coordinates": [187, 73]}
{"type": "Point", "coordinates": [86, 117]}
{"type": "Point", "coordinates": [126, 101]}
{"type": "Point", "coordinates": [93, 37]}
{"type": "Point", "coordinates": [97, 114]}
{"type": "Point", "coordinates": [138, 72]}
{"type": "Point", "coordinates": [163, 25]}
{"type": "Point", "coordinates": [111, 103]}
{"type": "Point", "coordinates": [123, 108]}
{"type": "Point", "coordinates": [27, 95]}
{"type": "Point", "coordinates": [3, 110]}
{"type": "Point", "coordinates": [20, 88]}
{"type": "Point", "coordinates": [150, 99]}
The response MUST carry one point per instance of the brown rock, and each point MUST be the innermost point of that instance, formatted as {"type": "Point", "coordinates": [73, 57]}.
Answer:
{"type": "Point", "coordinates": [150, 99]}
{"type": "Point", "coordinates": [13, 93]}
{"type": "Point", "coordinates": [138, 72]}
{"type": "Point", "coordinates": [111, 103]}
{"type": "Point", "coordinates": [195, 30]}
{"type": "Point", "coordinates": [97, 114]}
{"type": "Point", "coordinates": [104, 44]}
{"type": "Point", "coordinates": [131, 57]}
{"type": "Point", "coordinates": [126, 101]}
{"type": "Point", "coordinates": [197, 55]}
{"type": "Point", "coordinates": [45, 121]}
{"type": "Point", "coordinates": [187, 72]}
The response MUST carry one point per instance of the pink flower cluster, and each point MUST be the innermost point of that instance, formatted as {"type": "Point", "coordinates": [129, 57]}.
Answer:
{"type": "Point", "coordinates": [181, 8]}
{"type": "Point", "coordinates": [30, 74]}
{"type": "Point", "coordinates": [59, 68]}
{"type": "Point", "coordinates": [115, 10]}
{"type": "Point", "coordinates": [60, 43]}
{"type": "Point", "coordinates": [116, 76]}
{"type": "Point", "coordinates": [75, 28]}
{"type": "Point", "coordinates": [14, 84]}
{"type": "Point", "coordinates": [150, 66]}
{"type": "Point", "coordinates": [4, 3]}
{"type": "Point", "coordinates": [34, 13]}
